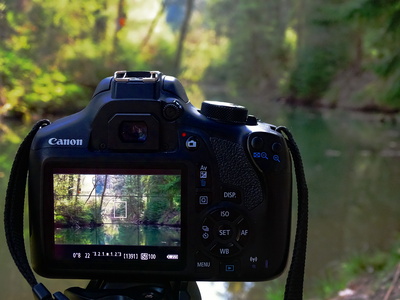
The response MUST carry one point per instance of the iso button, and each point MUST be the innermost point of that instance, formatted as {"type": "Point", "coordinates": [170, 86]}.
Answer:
{"type": "Point", "coordinates": [225, 214]}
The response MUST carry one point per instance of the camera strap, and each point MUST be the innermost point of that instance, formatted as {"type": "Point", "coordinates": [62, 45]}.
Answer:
{"type": "Point", "coordinates": [14, 215]}
{"type": "Point", "coordinates": [295, 279]}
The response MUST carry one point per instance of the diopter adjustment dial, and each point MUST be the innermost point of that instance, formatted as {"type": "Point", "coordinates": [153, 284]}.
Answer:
{"type": "Point", "coordinates": [172, 110]}
{"type": "Point", "coordinates": [224, 112]}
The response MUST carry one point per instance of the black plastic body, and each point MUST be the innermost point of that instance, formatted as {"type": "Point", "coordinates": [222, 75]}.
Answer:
{"type": "Point", "coordinates": [240, 233]}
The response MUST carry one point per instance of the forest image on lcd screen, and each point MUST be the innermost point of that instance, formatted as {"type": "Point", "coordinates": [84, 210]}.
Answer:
{"type": "Point", "coordinates": [108, 209]}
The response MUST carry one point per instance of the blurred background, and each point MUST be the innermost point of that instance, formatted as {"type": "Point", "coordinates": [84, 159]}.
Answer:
{"type": "Point", "coordinates": [328, 70]}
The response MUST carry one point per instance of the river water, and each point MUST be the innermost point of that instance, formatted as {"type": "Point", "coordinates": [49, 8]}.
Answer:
{"type": "Point", "coordinates": [352, 164]}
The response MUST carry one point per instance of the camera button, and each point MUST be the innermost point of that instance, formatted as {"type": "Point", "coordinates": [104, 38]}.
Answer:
{"type": "Point", "coordinates": [192, 143]}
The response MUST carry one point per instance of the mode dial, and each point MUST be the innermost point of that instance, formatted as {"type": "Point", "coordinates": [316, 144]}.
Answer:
{"type": "Point", "coordinates": [224, 112]}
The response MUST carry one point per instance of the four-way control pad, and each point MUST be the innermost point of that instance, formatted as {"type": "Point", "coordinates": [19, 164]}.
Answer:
{"type": "Point", "coordinates": [224, 232]}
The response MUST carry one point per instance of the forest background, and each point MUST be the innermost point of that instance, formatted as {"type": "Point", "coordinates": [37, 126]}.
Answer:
{"type": "Point", "coordinates": [333, 53]}
{"type": "Point", "coordinates": [310, 52]}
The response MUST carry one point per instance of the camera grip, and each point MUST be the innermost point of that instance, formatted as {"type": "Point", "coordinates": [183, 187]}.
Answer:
{"type": "Point", "coordinates": [236, 170]}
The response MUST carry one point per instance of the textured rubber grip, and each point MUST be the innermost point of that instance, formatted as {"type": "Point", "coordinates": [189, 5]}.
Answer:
{"type": "Point", "coordinates": [236, 170]}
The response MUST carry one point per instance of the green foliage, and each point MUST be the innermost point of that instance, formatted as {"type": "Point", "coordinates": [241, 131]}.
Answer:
{"type": "Point", "coordinates": [356, 266]}
{"type": "Point", "coordinates": [314, 72]}
{"type": "Point", "coordinates": [372, 262]}
{"type": "Point", "coordinates": [300, 49]}
{"type": "Point", "coordinates": [155, 210]}
{"type": "Point", "coordinates": [257, 54]}
{"type": "Point", "coordinates": [53, 53]}
{"type": "Point", "coordinates": [381, 20]}
{"type": "Point", "coordinates": [163, 206]}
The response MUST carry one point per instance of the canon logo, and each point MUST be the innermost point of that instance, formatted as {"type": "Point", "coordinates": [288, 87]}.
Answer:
{"type": "Point", "coordinates": [65, 142]}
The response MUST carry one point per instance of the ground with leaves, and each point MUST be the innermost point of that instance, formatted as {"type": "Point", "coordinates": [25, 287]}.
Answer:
{"type": "Point", "coordinates": [374, 286]}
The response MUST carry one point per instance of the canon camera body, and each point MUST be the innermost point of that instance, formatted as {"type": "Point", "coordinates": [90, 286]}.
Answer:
{"type": "Point", "coordinates": [142, 185]}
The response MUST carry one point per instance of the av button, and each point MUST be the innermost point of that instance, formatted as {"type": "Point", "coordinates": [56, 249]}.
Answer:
{"type": "Point", "coordinates": [203, 177]}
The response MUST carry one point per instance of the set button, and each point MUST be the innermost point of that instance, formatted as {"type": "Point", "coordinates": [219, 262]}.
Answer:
{"type": "Point", "coordinates": [225, 231]}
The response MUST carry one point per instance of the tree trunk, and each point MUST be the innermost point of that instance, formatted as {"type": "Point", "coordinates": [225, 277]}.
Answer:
{"type": "Point", "coordinates": [153, 26]}
{"type": "Point", "coordinates": [99, 209]}
{"type": "Point", "coordinates": [182, 36]}
{"type": "Point", "coordinates": [120, 22]}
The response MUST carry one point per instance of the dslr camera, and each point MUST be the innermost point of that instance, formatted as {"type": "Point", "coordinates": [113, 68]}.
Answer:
{"type": "Point", "coordinates": [142, 184]}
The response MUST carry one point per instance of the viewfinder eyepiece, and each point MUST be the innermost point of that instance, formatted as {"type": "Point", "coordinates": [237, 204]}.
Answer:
{"type": "Point", "coordinates": [133, 132]}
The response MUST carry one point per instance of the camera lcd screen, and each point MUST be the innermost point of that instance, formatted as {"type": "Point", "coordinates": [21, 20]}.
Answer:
{"type": "Point", "coordinates": [119, 214]}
